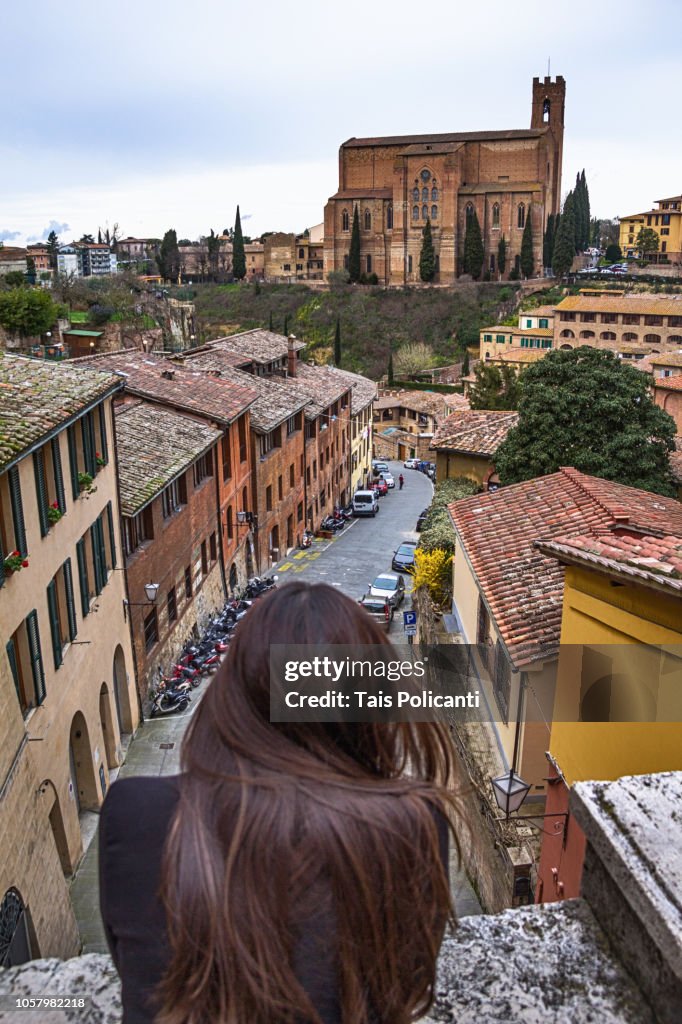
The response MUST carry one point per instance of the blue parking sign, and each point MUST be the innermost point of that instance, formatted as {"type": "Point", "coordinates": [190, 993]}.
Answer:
{"type": "Point", "coordinates": [409, 619]}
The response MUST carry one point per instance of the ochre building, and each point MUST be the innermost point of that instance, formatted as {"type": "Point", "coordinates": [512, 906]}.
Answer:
{"type": "Point", "coordinates": [399, 182]}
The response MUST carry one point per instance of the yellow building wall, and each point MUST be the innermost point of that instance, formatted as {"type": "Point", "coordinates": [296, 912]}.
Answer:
{"type": "Point", "coordinates": [597, 613]}
{"type": "Point", "coordinates": [630, 228]}
{"type": "Point", "coordinates": [453, 464]}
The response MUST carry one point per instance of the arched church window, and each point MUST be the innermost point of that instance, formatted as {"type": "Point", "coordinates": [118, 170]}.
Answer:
{"type": "Point", "coordinates": [415, 194]}
{"type": "Point", "coordinates": [425, 195]}
{"type": "Point", "coordinates": [425, 212]}
{"type": "Point", "coordinates": [426, 175]}
{"type": "Point", "coordinates": [415, 213]}
{"type": "Point", "coordinates": [545, 110]}
{"type": "Point", "coordinates": [434, 195]}
{"type": "Point", "coordinates": [345, 221]}
{"type": "Point", "coordinates": [389, 216]}
{"type": "Point", "coordinates": [434, 213]}
{"type": "Point", "coordinates": [521, 216]}
{"type": "Point", "coordinates": [496, 215]}
{"type": "Point", "coordinates": [368, 220]}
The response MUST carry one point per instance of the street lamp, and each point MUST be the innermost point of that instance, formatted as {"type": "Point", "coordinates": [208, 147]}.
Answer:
{"type": "Point", "coordinates": [510, 791]}
{"type": "Point", "coordinates": [151, 591]}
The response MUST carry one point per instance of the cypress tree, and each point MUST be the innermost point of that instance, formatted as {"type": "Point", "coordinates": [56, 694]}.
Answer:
{"type": "Point", "coordinates": [587, 216]}
{"type": "Point", "coordinates": [527, 258]}
{"type": "Point", "coordinates": [564, 245]}
{"type": "Point", "coordinates": [286, 324]}
{"type": "Point", "coordinates": [427, 257]}
{"type": "Point", "coordinates": [354, 253]}
{"type": "Point", "coordinates": [168, 259]}
{"type": "Point", "coordinates": [238, 256]}
{"type": "Point", "coordinates": [337, 343]}
{"type": "Point", "coordinates": [270, 327]}
{"type": "Point", "coordinates": [465, 363]}
{"type": "Point", "coordinates": [390, 367]}
{"type": "Point", "coordinates": [473, 247]}
{"type": "Point", "coordinates": [548, 242]}
{"type": "Point", "coordinates": [502, 255]}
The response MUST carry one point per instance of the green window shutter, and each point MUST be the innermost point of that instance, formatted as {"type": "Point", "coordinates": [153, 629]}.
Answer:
{"type": "Point", "coordinates": [97, 565]}
{"type": "Point", "coordinates": [41, 492]}
{"type": "Point", "coordinates": [70, 603]}
{"type": "Point", "coordinates": [112, 534]}
{"type": "Point", "coordinates": [83, 576]}
{"type": "Point", "coordinates": [36, 655]}
{"type": "Point", "coordinates": [88, 446]}
{"type": "Point", "coordinates": [101, 549]}
{"type": "Point", "coordinates": [73, 462]}
{"type": "Point", "coordinates": [17, 511]}
{"type": "Point", "coordinates": [12, 658]}
{"type": "Point", "coordinates": [104, 451]}
{"type": "Point", "coordinates": [2, 564]}
{"type": "Point", "coordinates": [58, 475]}
{"type": "Point", "coordinates": [54, 623]}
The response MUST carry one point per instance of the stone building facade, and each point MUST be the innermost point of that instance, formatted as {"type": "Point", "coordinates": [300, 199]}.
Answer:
{"type": "Point", "coordinates": [398, 182]}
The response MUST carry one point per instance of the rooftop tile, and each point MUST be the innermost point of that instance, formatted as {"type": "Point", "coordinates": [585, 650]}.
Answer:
{"type": "Point", "coordinates": [476, 432]}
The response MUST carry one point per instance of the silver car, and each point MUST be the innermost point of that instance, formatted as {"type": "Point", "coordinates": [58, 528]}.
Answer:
{"type": "Point", "coordinates": [390, 585]}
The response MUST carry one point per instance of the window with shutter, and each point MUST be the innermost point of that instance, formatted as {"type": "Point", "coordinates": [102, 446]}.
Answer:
{"type": "Point", "coordinates": [112, 534]}
{"type": "Point", "coordinates": [58, 475]}
{"type": "Point", "coordinates": [70, 602]}
{"type": "Point", "coordinates": [35, 655]}
{"type": "Point", "coordinates": [88, 435]}
{"type": "Point", "coordinates": [55, 628]}
{"type": "Point", "coordinates": [104, 560]}
{"type": "Point", "coordinates": [41, 491]}
{"type": "Point", "coordinates": [96, 560]}
{"type": "Point", "coordinates": [17, 511]}
{"type": "Point", "coordinates": [103, 445]}
{"type": "Point", "coordinates": [83, 576]}
{"type": "Point", "coordinates": [14, 666]}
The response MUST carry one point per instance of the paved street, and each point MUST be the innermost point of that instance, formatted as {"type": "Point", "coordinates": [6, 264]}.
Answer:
{"type": "Point", "coordinates": [350, 561]}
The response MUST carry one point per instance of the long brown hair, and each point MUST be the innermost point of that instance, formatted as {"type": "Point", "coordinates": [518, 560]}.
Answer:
{"type": "Point", "coordinates": [287, 830]}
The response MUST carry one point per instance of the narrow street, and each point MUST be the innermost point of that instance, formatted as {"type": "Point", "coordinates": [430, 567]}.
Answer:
{"type": "Point", "coordinates": [349, 561]}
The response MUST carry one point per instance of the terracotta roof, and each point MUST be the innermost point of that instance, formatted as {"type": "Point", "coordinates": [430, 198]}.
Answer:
{"type": "Point", "coordinates": [429, 402]}
{"type": "Point", "coordinates": [364, 193]}
{"type": "Point", "coordinates": [364, 390]}
{"type": "Point", "coordinates": [455, 401]}
{"type": "Point", "coordinates": [642, 304]}
{"type": "Point", "coordinates": [527, 332]}
{"type": "Point", "coordinates": [275, 401]}
{"type": "Point", "coordinates": [651, 560]}
{"type": "Point", "coordinates": [192, 390]}
{"type": "Point", "coordinates": [538, 311]}
{"type": "Point", "coordinates": [476, 432]}
{"type": "Point", "coordinates": [523, 587]}
{"type": "Point", "coordinates": [673, 383]}
{"type": "Point", "coordinates": [154, 446]}
{"type": "Point", "coordinates": [257, 346]}
{"type": "Point", "coordinates": [38, 396]}
{"type": "Point", "coordinates": [668, 199]}
{"type": "Point", "coordinates": [409, 140]}
{"type": "Point", "coordinates": [321, 385]}
{"type": "Point", "coordinates": [520, 355]}
{"type": "Point", "coordinates": [671, 359]}
{"type": "Point", "coordinates": [10, 253]}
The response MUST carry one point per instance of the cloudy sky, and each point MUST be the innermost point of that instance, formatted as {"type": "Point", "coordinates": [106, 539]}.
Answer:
{"type": "Point", "coordinates": [168, 114]}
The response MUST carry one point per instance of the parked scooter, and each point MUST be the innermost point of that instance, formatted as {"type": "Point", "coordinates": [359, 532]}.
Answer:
{"type": "Point", "coordinates": [165, 701]}
{"type": "Point", "coordinates": [307, 539]}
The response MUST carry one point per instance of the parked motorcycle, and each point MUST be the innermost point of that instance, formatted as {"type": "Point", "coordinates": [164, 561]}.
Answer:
{"type": "Point", "coordinates": [165, 701]}
{"type": "Point", "coordinates": [307, 539]}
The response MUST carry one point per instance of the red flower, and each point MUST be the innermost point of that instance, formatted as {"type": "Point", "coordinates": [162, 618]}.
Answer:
{"type": "Point", "coordinates": [15, 554]}
{"type": "Point", "coordinates": [25, 563]}
{"type": "Point", "coordinates": [55, 504]}
{"type": "Point", "coordinates": [97, 455]}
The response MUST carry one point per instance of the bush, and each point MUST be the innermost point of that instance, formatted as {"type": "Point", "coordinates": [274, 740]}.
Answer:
{"type": "Point", "coordinates": [99, 314]}
{"type": "Point", "coordinates": [438, 532]}
{"type": "Point", "coordinates": [613, 253]}
{"type": "Point", "coordinates": [433, 571]}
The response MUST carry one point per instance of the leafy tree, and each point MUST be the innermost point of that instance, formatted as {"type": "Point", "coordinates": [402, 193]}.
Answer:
{"type": "Point", "coordinates": [437, 532]}
{"type": "Point", "coordinates": [337, 343]}
{"type": "Point", "coordinates": [213, 246]}
{"type": "Point", "coordinates": [427, 256]}
{"type": "Point", "coordinates": [647, 242]}
{"type": "Point", "coordinates": [527, 257]}
{"type": "Point", "coordinates": [31, 269]}
{"type": "Point", "coordinates": [390, 368]}
{"type": "Point", "coordinates": [495, 387]}
{"type": "Point", "coordinates": [354, 252]}
{"type": "Point", "coordinates": [587, 409]}
{"type": "Point", "coordinates": [15, 279]}
{"type": "Point", "coordinates": [502, 255]}
{"type": "Point", "coordinates": [613, 253]}
{"type": "Point", "coordinates": [548, 242]}
{"type": "Point", "coordinates": [413, 358]}
{"type": "Point", "coordinates": [168, 258]}
{"type": "Point", "coordinates": [27, 312]}
{"type": "Point", "coordinates": [53, 248]}
{"type": "Point", "coordinates": [473, 247]}
{"type": "Point", "coordinates": [238, 255]}
{"type": "Point", "coordinates": [87, 239]}
{"type": "Point", "coordinates": [564, 244]}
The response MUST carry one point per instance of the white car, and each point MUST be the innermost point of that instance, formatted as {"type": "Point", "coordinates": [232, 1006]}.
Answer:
{"type": "Point", "coordinates": [410, 463]}
{"type": "Point", "coordinates": [390, 482]}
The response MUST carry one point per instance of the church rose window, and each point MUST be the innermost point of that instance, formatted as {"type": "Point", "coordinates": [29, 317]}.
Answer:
{"type": "Point", "coordinates": [426, 175]}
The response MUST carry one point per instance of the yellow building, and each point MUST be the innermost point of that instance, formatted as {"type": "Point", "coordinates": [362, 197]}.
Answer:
{"type": "Point", "coordinates": [665, 220]}
{"type": "Point", "coordinates": [498, 340]}
{"type": "Point", "coordinates": [466, 442]}
{"type": "Point", "coordinates": [362, 399]}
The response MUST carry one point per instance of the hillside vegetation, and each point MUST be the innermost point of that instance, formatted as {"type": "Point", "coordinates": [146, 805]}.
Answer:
{"type": "Point", "coordinates": [373, 321]}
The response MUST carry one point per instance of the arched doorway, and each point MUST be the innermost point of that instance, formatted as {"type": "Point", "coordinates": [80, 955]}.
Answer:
{"type": "Point", "coordinates": [107, 726]}
{"type": "Point", "coordinates": [17, 943]}
{"type": "Point", "coordinates": [234, 579]}
{"type": "Point", "coordinates": [82, 769]}
{"type": "Point", "coordinates": [249, 558]}
{"type": "Point", "coordinates": [120, 675]}
{"type": "Point", "coordinates": [57, 825]}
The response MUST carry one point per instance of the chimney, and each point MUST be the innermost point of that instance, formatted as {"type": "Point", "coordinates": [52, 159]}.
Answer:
{"type": "Point", "coordinates": [168, 374]}
{"type": "Point", "coordinates": [291, 355]}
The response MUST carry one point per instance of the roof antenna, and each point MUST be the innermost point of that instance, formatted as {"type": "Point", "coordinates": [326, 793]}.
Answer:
{"type": "Point", "coordinates": [548, 71]}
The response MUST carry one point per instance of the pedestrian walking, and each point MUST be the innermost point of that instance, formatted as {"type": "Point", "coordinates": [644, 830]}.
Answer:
{"type": "Point", "coordinates": [401, 481]}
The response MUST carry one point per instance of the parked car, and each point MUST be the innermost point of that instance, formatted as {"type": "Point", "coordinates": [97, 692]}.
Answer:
{"type": "Point", "coordinates": [421, 520]}
{"type": "Point", "coordinates": [379, 608]}
{"type": "Point", "coordinates": [380, 486]}
{"type": "Point", "coordinates": [379, 467]}
{"type": "Point", "coordinates": [411, 464]}
{"type": "Point", "coordinates": [431, 471]}
{"type": "Point", "coordinates": [390, 585]}
{"type": "Point", "coordinates": [365, 503]}
{"type": "Point", "coordinates": [403, 557]}
{"type": "Point", "coordinates": [390, 482]}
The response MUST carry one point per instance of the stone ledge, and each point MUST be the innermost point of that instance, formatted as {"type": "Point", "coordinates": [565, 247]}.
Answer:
{"type": "Point", "coordinates": [92, 976]}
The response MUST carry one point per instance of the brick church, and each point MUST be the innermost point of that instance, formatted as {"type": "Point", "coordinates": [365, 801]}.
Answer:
{"type": "Point", "coordinates": [399, 181]}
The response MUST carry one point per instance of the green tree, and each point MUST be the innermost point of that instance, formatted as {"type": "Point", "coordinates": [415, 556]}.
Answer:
{"type": "Point", "coordinates": [31, 269]}
{"type": "Point", "coordinates": [213, 247]}
{"type": "Point", "coordinates": [27, 312]}
{"type": "Point", "coordinates": [87, 239]}
{"type": "Point", "coordinates": [337, 343]}
{"type": "Point", "coordinates": [548, 242]}
{"type": "Point", "coordinates": [613, 253]}
{"type": "Point", "coordinates": [587, 216]}
{"type": "Point", "coordinates": [238, 255]}
{"type": "Point", "coordinates": [465, 363]}
{"type": "Point", "coordinates": [286, 324]}
{"type": "Point", "coordinates": [502, 255]}
{"type": "Point", "coordinates": [564, 244]}
{"type": "Point", "coordinates": [588, 409]}
{"type": "Point", "coordinates": [527, 256]}
{"type": "Point", "coordinates": [412, 358]}
{"type": "Point", "coordinates": [270, 327]}
{"type": "Point", "coordinates": [168, 258]}
{"type": "Point", "coordinates": [53, 248]}
{"type": "Point", "coordinates": [647, 242]}
{"type": "Point", "coordinates": [15, 279]}
{"type": "Point", "coordinates": [427, 256]}
{"type": "Point", "coordinates": [495, 387]}
{"type": "Point", "coordinates": [473, 247]}
{"type": "Point", "coordinates": [390, 368]}
{"type": "Point", "coordinates": [354, 252]}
